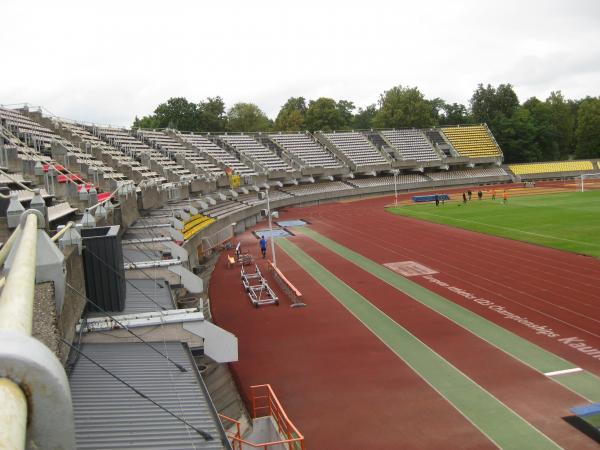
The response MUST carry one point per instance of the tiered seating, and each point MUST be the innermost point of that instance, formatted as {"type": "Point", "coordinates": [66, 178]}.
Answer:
{"type": "Point", "coordinates": [411, 144]}
{"type": "Point", "coordinates": [552, 167]}
{"type": "Point", "coordinates": [175, 149]}
{"type": "Point", "coordinates": [249, 147]}
{"type": "Point", "coordinates": [120, 138]}
{"type": "Point", "coordinates": [317, 188]}
{"type": "Point", "coordinates": [217, 153]}
{"type": "Point", "coordinates": [410, 178]}
{"type": "Point", "coordinates": [468, 174]}
{"type": "Point", "coordinates": [303, 147]}
{"type": "Point", "coordinates": [357, 148]}
{"type": "Point", "coordinates": [195, 224]}
{"type": "Point", "coordinates": [34, 134]}
{"type": "Point", "coordinates": [473, 141]}
{"type": "Point", "coordinates": [224, 209]}
{"type": "Point", "coordinates": [435, 137]}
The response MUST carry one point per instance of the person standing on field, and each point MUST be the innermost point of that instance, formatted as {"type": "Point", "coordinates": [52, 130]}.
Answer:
{"type": "Point", "coordinates": [505, 197]}
{"type": "Point", "coordinates": [464, 198]}
{"type": "Point", "coordinates": [493, 194]}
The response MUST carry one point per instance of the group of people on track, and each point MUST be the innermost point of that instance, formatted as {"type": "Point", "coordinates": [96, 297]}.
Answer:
{"type": "Point", "coordinates": [466, 196]}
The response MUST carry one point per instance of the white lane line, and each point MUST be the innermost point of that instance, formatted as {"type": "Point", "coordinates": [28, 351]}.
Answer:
{"type": "Point", "coordinates": [563, 372]}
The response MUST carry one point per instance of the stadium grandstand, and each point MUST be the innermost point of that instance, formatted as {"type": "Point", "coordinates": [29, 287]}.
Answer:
{"type": "Point", "coordinates": [562, 167]}
{"type": "Point", "coordinates": [474, 141]}
{"type": "Point", "coordinates": [137, 250]}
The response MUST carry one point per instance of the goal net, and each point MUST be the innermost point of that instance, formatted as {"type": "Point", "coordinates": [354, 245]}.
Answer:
{"type": "Point", "coordinates": [587, 181]}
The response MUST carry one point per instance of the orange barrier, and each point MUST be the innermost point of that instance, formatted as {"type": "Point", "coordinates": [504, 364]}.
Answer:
{"type": "Point", "coordinates": [286, 286]}
{"type": "Point", "coordinates": [266, 404]}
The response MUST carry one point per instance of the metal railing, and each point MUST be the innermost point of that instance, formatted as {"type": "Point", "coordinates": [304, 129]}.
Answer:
{"type": "Point", "coordinates": [266, 404]}
{"type": "Point", "coordinates": [16, 314]}
{"type": "Point", "coordinates": [35, 402]}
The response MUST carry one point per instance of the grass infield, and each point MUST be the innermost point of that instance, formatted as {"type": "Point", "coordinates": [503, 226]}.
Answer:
{"type": "Point", "coordinates": [565, 221]}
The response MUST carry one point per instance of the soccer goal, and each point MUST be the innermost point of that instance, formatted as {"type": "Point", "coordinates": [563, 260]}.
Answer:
{"type": "Point", "coordinates": [587, 181]}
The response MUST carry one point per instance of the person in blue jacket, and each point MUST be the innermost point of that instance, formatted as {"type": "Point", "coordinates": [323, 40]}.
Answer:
{"type": "Point", "coordinates": [263, 246]}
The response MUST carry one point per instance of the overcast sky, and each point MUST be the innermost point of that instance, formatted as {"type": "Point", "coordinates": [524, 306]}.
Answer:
{"type": "Point", "coordinates": [107, 61]}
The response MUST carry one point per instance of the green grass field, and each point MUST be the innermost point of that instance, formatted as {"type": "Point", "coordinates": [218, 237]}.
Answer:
{"type": "Point", "coordinates": [565, 221]}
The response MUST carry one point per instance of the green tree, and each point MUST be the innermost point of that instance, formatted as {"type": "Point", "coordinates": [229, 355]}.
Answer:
{"type": "Point", "coordinates": [563, 120]}
{"type": "Point", "coordinates": [454, 114]}
{"type": "Point", "coordinates": [247, 117]}
{"type": "Point", "coordinates": [147, 122]}
{"type": "Point", "coordinates": [588, 129]}
{"type": "Point", "coordinates": [291, 116]}
{"type": "Point", "coordinates": [324, 114]}
{"type": "Point", "coordinates": [345, 108]}
{"type": "Point", "coordinates": [178, 113]}
{"type": "Point", "coordinates": [363, 119]}
{"type": "Point", "coordinates": [211, 115]}
{"type": "Point", "coordinates": [404, 107]}
{"type": "Point", "coordinates": [488, 104]}
{"type": "Point", "coordinates": [517, 137]}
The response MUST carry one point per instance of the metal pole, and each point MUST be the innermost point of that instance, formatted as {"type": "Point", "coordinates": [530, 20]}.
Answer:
{"type": "Point", "coordinates": [271, 230]}
{"type": "Point", "coordinates": [16, 314]}
{"type": "Point", "coordinates": [396, 187]}
{"type": "Point", "coordinates": [16, 302]}
{"type": "Point", "coordinates": [13, 415]}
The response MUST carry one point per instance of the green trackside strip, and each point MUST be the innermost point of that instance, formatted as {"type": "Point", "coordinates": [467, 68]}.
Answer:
{"type": "Point", "coordinates": [585, 384]}
{"type": "Point", "coordinates": [495, 420]}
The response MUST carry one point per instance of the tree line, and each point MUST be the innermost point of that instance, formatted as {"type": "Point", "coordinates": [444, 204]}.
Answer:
{"type": "Point", "coordinates": [536, 130]}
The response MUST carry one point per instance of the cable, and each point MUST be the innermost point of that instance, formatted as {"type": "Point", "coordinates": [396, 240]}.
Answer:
{"type": "Point", "coordinates": [204, 434]}
{"type": "Point", "coordinates": [102, 310]}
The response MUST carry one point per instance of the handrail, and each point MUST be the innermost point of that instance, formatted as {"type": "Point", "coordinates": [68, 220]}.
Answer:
{"type": "Point", "coordinates": [16, 315]}
{"type": "Point", "coordinates": [294, 439]}
{"type": "Point", "coordinates": [27, 188]}
{"type": "Point", "coordinates": [112, 194]}
{"type": "Point", "coordinates": [5, 250]}
{"type": "Point", "coordinates": [16, 301]}
{"type": "Point", "coordinates": [58, 235]}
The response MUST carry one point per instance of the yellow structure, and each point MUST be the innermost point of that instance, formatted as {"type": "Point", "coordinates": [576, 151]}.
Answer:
{"type": "Point", "coordinates": [195, 224]}
{"type": "Point", "coordinates": [234, 180]}
{"type": "Point", "coordinates": [552, 167]}
{"type": "Point", "coordinates": [474, 141]}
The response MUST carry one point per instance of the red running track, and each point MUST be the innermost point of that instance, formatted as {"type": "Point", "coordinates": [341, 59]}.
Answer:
{"type": "Point", "coordinates": [335, 378]}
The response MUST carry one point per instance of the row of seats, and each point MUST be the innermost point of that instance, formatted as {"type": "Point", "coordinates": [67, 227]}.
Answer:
{"type": "Point", "coordinates": [303, 147]}
{"type": "Point", "coordinates": [552, 167]}
{"type": "Point", "coordinates": [357, 148]}
{"type": "Point", "coordinates": [468, 174]}
{"type": "Point", "coordinates": [410, 178]}
{"type": "Point", "coordinates": [473, 141]}
{"type": "Point", "coordinates": [172, 148]}
{"type": "Point", "coordinates": [195, 224]}
{"type": "Point", "coordinates": [317, 188]}
{"type": "Point", "coordinates": [216, 153]}
{"type": "Point", "coordinates": [248, 146]}
{"type": "Point", "coordinates": [411, 144]}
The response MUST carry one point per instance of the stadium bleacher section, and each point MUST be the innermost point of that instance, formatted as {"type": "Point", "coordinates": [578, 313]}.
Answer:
{"type": "Point", "coordinates": [474, 141]}
{"type": "Point", "coordinates": [473, 174]}
{"type": "Point", "coordinates": [355, 148]}
{"type": "Point", "coordinates": [208, 148]}
{"type": "Point", "coordinates": [411, 144]}
{"type": "Point", "coordinates": [306, 150]}
{"type": "Point", "coordinates": [412, 178]}
{"type": "Point", "coordinates": [552, 167]}
{"type": "Point", "coordinates": [252, 149]}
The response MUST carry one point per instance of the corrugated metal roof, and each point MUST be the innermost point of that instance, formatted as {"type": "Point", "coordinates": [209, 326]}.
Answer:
{"type": "Point", "coordinates": [136, 302]}
{"type": "Point", "coordinates": [109, 415]}
{"type": "Point", "coordinates": [134, 255]}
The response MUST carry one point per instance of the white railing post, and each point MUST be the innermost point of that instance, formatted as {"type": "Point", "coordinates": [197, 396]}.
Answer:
{"type": "Point", "coordinates": [16, 302]}
{"type": "Point", "coordinates": [35, 399]}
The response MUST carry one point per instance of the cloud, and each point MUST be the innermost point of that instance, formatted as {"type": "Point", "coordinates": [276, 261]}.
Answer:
{"type": "Point", "coordinates": [108, 62]}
